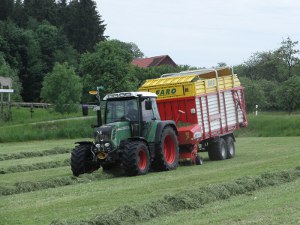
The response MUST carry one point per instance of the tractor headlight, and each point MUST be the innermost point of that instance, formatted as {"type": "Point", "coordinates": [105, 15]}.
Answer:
{"type": "Point", "coordinates": [107, 147]}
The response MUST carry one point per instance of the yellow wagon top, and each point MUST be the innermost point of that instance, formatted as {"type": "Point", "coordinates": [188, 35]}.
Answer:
{"type": "Point", "coordinates": [192, 83]}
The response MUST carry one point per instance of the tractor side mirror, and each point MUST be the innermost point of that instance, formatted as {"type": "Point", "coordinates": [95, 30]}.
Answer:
{"type": "Point", "coordinates": [148, 104]}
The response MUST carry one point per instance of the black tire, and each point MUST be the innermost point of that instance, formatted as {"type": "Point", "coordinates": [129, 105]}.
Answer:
{"type": "Point", "coordinates": [135, 158]}
{"type": "Point", "coordinates": [230, 147]}
{"type": "Point", "coordinates": [167, 153]}
{"type": "Point", "coordinates": [107, 166]}
{"type": "Point", "coordinates": [199, 160]}
{"type": "Point", "coordinates": [82, 160]}
{"type": "Point", "coordinates": [217, 150]}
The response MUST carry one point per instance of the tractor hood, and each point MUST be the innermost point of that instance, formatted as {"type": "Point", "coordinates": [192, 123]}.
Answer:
{"type": "Point", "coordinates": [113, 132]}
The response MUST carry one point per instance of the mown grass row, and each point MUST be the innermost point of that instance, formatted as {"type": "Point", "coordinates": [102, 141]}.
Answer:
{"type": "Point", "coordinates": [21, 155]}
{"type": "Point", "coordinates": [35, 166]}
{"type": "Point", "coordinates": [189, 199]}
{"type": "Point", "coordinates": [29, 186]}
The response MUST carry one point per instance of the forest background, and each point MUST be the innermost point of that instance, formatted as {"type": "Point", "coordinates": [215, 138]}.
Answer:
{"type": "Point", "coordinates": [55, 51]}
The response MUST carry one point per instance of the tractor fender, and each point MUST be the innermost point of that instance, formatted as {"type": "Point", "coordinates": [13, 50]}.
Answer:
{"type": "Point", "coordinates": [161, 125]}
{"type": "Point", "coordinates": [139, 139]}
{"type": "Point", "coordinates": [122, 143]}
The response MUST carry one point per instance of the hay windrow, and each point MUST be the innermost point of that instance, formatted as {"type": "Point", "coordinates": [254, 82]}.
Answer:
{"type": "Point", "coordinates": [35, 166]}
{"type": "Point", "coordinates": [192, 199]}
{"type": "Point", "coordinates": [22, 155]}
{"type": "Point", "coordinates": [29, 186]}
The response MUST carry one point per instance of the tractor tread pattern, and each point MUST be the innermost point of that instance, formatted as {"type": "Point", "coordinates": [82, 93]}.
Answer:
{"type": "Point", "coordinates": [79, 157]}
{"type": "Point", "coordinates": [159, 162]}
{"type": "Point", "coordinates": [130, 158]}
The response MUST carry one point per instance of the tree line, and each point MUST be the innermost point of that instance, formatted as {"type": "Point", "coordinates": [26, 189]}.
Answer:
{"type": "Point", "coordinates": [272, 78]}
{"type": "Point", "coordinates": [56, 51]}
{"type": "Point", "coordinates": [36, 34]}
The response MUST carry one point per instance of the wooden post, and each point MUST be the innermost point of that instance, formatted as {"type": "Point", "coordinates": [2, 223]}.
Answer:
{"type": "Point", "coordinates": [9, 107]}
{"type": "Point", "coordinates": [9, 91]}
{"type": "Point", "coordinates": [1, 105]}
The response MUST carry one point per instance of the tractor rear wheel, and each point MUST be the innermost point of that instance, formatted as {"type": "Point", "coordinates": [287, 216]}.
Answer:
{"type": "Point", "coordinates": [217, 150]}
{"type": "Point", "coordinates": [135, 158]}
{"type": "Point", "coordinates": [82, 160]}
{"type": "Point", "coordinates": [167, 154]}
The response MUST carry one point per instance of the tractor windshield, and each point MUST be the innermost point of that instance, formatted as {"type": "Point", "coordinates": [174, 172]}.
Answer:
{"type": "Point", "coordinates": [121, 109]}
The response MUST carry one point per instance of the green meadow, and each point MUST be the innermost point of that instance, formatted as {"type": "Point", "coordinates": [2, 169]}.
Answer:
{"type": "Point", "coordinates": [258, 186]}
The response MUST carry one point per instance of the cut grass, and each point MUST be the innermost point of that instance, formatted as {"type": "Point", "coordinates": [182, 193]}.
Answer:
{"type": "Point", "coordinates": [254, 156]}
{"type": "Point", "coordinates": [193, 198]}
{"type": "Point", "coordinates": [24, 186]}
{"type": "Point", "coordinates": [33, 146]}
{"type": "Point", "coordinates": [11, 181]}
{"type": "Point", "coordinates": [33, 160]}
{"type": "Point", "coordinates": [35, 166]}
{"type": "Point", "coordinates": [275, 205]}
{"type": "Point", "coordinates": [23, 155]}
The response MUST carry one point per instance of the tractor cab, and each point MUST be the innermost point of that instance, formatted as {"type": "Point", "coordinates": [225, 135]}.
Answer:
{"type": "Point", "coordinates": [135, 108]}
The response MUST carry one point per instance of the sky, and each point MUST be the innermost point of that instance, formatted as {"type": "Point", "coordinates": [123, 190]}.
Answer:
{"type": "Point", "coordinates": [202, 33]}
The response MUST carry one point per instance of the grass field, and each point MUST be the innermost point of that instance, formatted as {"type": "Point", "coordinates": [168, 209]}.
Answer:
{"type": "Point", "coordinates": [29, 197]}
{"type": "Point", "coordinates": [271, 124]}
{"type": "Point", "coordinates": [45, 124]}
{"type": "Point", "coordinates": [21, 115]}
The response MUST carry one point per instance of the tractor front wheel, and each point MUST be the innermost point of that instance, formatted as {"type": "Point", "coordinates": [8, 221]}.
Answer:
{"type": "Point", "coordinates": [135, 158]}
{"type": "Point", "coordinates": [167, 154]}
{"type": "Point", "coordinates": [82, 160]}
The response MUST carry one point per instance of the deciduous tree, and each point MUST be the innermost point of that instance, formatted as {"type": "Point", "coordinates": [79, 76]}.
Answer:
{"type": "Point", "coordinates": [288, 53]}
{"type": "Point", "coordinates": [63, 87]}
{"type": "Point", "coordinates": [289, 94]}
{"type": "Point", "coordinates": [108, 66]}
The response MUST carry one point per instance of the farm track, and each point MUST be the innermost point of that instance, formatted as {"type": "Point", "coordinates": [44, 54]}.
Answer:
{"type": "Point", "coordinates": [52, 121]}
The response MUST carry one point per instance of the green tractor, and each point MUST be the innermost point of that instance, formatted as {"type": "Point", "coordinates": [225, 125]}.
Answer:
{"type": "Point", "coordinates": [132, 136]}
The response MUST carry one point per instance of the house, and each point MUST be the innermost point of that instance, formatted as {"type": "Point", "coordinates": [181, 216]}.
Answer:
{"type": "Point", "coordinates": [154, 61]}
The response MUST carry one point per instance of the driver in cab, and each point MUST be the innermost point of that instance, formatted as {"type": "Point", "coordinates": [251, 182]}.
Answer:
{"type": "Point", "coordinates": [132, 112]}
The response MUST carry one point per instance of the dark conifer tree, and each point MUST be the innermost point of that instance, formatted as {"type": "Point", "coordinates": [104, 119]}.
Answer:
{"type": "Point", "coordinates": [84, 27]}
{"type": "Point", "coordinates": [6, 7]}
{"type": "Point", "coordinates": [42, 10]}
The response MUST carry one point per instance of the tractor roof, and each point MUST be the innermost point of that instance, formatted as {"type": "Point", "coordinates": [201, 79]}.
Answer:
{"type": "Point", "coordinates": [130, 95]}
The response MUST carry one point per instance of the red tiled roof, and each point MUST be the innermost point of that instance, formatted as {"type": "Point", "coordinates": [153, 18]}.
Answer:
{"type": "Point", "coordinates": [153, 61]}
